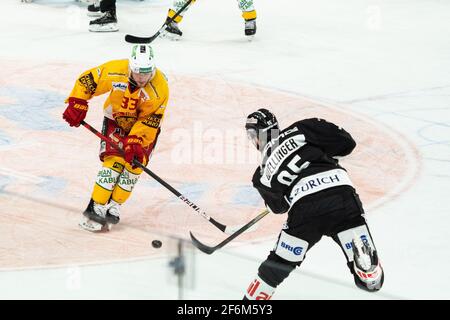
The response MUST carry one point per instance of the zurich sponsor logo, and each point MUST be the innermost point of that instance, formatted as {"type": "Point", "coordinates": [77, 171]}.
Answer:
{"type": "Point", "coordinates": [295, 250]}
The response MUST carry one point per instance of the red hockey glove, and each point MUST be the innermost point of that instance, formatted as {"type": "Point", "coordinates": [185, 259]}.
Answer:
{"type": "Point", "coordinates": [133, 149]}
{"type": "Point", "coordinates": [75, 111]}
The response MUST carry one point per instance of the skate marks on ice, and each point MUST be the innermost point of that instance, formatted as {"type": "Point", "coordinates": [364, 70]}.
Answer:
{"type": "Point", "coordinates": [47, 169]}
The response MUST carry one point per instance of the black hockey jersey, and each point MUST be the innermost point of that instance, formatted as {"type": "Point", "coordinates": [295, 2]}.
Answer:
{"type": "Point", "coordinates": [301, 161]}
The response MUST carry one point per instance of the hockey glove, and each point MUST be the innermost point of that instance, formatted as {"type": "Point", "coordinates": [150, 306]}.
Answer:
{"type": "Point", "coordinates": [75, 111]}
{"type": "Point", "coordinates": [133, 149]}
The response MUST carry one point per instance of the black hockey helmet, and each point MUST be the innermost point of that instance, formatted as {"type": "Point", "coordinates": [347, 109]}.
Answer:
{"type": "Point", "coordinates": [259, 126]}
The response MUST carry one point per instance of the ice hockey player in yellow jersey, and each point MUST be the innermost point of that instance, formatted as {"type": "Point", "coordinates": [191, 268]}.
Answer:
{"type": "Point", "coordinates": [133, 111]}
{"type": "Point", "coordinates": [246, 6]}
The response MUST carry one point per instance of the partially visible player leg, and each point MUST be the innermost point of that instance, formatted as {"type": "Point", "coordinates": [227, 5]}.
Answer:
{"type": "Point", "coordinates": [105, 183]}
{"type": "Point", "coordinates": [289, 253]}
{"type": "Point", "coordinates": [125, 185]}
{"type": "Point", "coordinates": [94, 9]}
{"type": "Point", "coordinates": [362, 257]}
{"type": "Point", "coordinates": [349, 229]}
{"type": "Point", "coordinates": [94, 217]}
{"type": "Point", "coordinates": [114, 183]}
{"type": "Point", "coordinates": [249, 15]}
{"type": "Point", "coordinates": [122, 191]}
{"type": "Point", "coordinates": [112, 188]}
{"type": "Point", "coordinates": [172, 31]}
{"type": "Point", "coordinates": [108, 21]}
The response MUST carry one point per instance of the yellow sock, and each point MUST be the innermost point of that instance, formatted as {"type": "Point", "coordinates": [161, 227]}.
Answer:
{"type": "Point", "coordinates": [107, 178]}
{"type": "Point", "coordinates": [172, 13]}
{"type": "Point", "coordinates": [125, 184]}
{"type": "Point", "coordinates": [249, 15]}
{"type": "Point", "coordinates": [177, 6]}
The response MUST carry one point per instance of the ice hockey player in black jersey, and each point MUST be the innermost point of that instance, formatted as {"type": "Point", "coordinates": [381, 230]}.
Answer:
{"type": "Point", "coordinates": [300, 174]}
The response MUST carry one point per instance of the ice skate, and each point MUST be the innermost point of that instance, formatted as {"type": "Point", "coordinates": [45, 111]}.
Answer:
{"type": "Point", "coordinates": [90, 225]}
{"type": "Point", "coordinates": [250, 29]}
{"type": "Point", "coordinates": [106, 23]}
{"type": "Point", "coordinates": [172, 31]}
{"type": "Point", "coordinates": [113, 213]}
{"type": "Point", "coordinates": [96, 212]}
{"type": "Point", "coordinates": [94, 218]}
{"type": "Point", "coordinates": [366, 265]}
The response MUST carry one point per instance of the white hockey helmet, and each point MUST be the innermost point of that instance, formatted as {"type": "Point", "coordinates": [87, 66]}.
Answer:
{"type": "Point", "coordinates": [142, 59]}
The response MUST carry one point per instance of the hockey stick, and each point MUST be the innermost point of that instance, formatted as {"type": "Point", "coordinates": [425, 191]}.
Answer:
{"type": "Point", "coordinates": [209, 250]}
{"type": "Point", "coordinates": [180, 196]}
{"type": "Point", "coordinates": [133, 39]}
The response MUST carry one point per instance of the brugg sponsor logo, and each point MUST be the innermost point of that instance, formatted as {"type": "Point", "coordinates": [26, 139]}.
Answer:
{"type": "Point", "coordinates": [295, 250]}
{"type": "Point", "coordinates": [363, 238]}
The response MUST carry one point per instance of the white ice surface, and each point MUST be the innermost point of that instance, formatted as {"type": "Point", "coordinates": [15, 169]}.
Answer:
{"type": "Point", "coordinates": [386, 59]}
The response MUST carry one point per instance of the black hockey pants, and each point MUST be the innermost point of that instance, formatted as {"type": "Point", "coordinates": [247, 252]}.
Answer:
{"type": "Point", "coordinates": [328, 212]}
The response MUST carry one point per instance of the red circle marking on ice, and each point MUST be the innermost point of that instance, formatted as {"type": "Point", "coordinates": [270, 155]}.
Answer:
{"type": "Point", "coordinates": [39, 228]}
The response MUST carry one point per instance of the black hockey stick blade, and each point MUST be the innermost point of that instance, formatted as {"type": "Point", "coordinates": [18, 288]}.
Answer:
{"type": "Point", "coordinates": [209, 250]}
{"type": "Point", "coordinates": [202, 247]}
{"type": "Point", "coordinates": [134, 39]}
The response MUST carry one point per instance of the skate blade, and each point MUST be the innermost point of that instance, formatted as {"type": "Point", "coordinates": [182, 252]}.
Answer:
{"type": "Point", "coordinates": [90, 225]}
{"type": "Point", "coordinates": [106, 28]}
{"type": "Point", "coordinates": [170, 36]}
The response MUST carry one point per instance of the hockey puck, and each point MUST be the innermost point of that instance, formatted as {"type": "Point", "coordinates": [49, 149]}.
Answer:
{"type": "Point", "coordinates": [156, 244]}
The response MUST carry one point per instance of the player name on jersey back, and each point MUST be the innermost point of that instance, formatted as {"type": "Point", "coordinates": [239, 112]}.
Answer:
{"type": "Point", "coordinates": [319, 182]}
{"type": "Point", "coordinates": [279, 154]}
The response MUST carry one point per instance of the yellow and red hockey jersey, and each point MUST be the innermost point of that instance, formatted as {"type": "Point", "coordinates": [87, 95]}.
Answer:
{"type": "Point", "coordinates": [138, 112]}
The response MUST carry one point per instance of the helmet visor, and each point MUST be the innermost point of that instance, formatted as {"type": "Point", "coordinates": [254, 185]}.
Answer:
{"type": "Point", "coordinates": [252, 135]}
